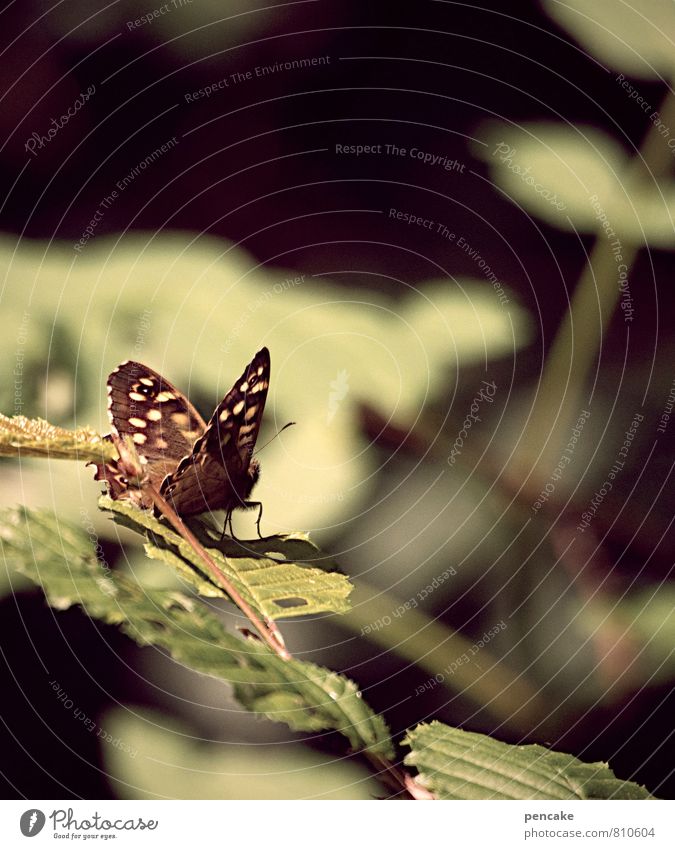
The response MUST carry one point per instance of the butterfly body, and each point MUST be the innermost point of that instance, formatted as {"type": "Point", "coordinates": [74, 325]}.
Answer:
{"type": "Point", "coordinates": [196, 466]}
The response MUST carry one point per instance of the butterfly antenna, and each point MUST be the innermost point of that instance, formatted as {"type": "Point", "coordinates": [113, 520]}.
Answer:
{"type": "Point", "coordinates": [288, 424]}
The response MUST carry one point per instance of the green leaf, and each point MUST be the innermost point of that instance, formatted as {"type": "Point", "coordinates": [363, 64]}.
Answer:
{"type": "Point", "coordinates": [305, 696]}
{"type": "Point", "coordinates": [637, 40]}
{"type": "Point", "coordinates": [260, 570]}
{"type": "Point", "coordinates": [457, 764]}
{"type": "Point", "coordinates": [22, 437]}
{"type": "Point", "coordinates": [308, 697]}
{"type": "Point", "coordinates": [576, 179]}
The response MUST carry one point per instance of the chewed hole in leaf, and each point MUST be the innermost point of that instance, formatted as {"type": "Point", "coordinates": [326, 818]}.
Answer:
{"type": "Point", "coordinates": [274, 589]}
{"type": "Point", "coordinates": [291, 602]}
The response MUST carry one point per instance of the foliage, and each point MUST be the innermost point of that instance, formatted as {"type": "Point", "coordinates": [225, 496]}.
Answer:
{"type": "Point", "coordinates": [305, 696]}
{"type": "Point", "coordinates": [22, 437]}
{"type": "Point", "coordinates": [262, 571]}
{"type": "Point", "coordinates": [452, 764]}
{"type": "Point", "coordinates": [577, 179]}
{"type": "Point", "coordinates": [636, 39]}
{"type": "Point", "coordinates": [457, 764]}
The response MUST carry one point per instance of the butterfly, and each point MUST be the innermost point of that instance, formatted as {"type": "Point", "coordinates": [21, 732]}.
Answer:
{"type": "Point", "coordinates": [197, 467]}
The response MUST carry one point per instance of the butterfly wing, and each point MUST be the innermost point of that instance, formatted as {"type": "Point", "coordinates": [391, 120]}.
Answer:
{"type": "Point", "coordinates": [160, 420]}
{"type": "Point", "coordinates": [219, 474]}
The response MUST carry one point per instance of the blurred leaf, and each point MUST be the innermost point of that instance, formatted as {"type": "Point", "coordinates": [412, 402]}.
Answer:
{"type": "Point", "coordinates": [274, 589]}
{"type": "Point", "coordinates": [627, 632]}
{"type": "Point", "coordinates": [448, 657]}
{"type": "Point", "coordinates": [539, 165]}
{"type": "Point", "coordinates": [22, 437]}
{"type": "Point", "coordinates": [637, 40]}
{"type": "Point", "coordinates": [196, 310]}
{"type": "Point", "coordinates": [11, 582]}
{"type": "Point", "coordinates": [457, 764]}
{"type": "Point", "coordinates": [190, 31]}
{"type": "Point", "coordinates": [305, 696]}
{"type": "Point", "coordinates": [633, 638]}
{"type": "Point", "coordinates": [194, 769]}
{"type": "Point", "coordinates": [651, 612]}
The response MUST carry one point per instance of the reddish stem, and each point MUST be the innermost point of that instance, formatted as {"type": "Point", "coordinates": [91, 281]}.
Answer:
{"type": "Point", "coordinates": [270, 635]}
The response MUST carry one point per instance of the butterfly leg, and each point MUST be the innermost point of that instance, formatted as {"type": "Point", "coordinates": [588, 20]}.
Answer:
{"type": "Point", "coordinates": [224, 532]}
{"type": "Point", "coordinates": [259, 505]}
{"type": "Point", "coordinates": [228, 521]}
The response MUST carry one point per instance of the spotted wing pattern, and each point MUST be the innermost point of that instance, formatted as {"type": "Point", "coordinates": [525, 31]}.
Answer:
{"type": "Point", "coordinates": [161, 421]}
{"type": "Point", "coordinates": [197, 467]}
{"type": "Point", "coordinates": [220, 473]}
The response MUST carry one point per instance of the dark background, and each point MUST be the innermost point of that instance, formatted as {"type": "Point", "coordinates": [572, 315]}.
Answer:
{"type": "Point", "coordinates": [255, 164]}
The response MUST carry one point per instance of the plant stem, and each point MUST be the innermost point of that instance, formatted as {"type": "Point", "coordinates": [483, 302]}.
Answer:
{"type": "Point", "coordinates": [398, 778]}
{"type": "Point", "coordinates": [133, 470]}
{"type": "Point", "coordinates": [270, 635]}
{"type": "Point", "coordinates": [416, 791]}
{"type": "Point", "coordinates": [559, 396]}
